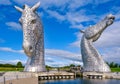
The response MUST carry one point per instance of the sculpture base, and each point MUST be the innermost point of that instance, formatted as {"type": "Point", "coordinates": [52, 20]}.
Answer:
{"type": "Point", "coordinates": [34, 68]}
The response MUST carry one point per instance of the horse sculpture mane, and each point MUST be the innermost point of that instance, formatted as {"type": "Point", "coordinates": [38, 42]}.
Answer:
{"type": "Point", "coordinates": [33, 39]}
{"type": "Point", "coordinates": [92, 60]}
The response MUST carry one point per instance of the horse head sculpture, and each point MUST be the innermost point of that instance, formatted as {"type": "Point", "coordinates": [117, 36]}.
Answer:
{"type": "Point", "coordinates": [92, 60]}
{"type": "Point", "coordinates": [33, 42]}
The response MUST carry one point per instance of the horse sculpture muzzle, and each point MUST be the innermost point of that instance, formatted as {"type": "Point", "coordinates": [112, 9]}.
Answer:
{"type": "Point", "coordinates": [28, 49]}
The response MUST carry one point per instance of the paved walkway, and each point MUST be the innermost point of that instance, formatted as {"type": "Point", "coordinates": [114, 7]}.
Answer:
{"type": "Point", "coordinates": [23, 81]}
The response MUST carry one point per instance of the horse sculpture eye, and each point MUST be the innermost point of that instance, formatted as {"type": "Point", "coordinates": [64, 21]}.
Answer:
{"type": "Point", "coordinates": [33, 21]}
{"type": "Point", "coordinates": [20, 21]}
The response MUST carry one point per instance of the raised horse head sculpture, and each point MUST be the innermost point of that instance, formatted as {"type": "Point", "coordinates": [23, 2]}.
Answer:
{"type": "Point", "coordinates": [33, 38]}
{"type": "Point", "coordinates": [92, 60]}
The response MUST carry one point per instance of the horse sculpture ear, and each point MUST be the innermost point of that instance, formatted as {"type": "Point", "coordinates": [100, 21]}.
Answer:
{"type": "Point", "coordinates": [35, 6]}
{"type": "Point", "coordinates": [18, 8]}
{"type": "Point", "coordinates": [82, 31]}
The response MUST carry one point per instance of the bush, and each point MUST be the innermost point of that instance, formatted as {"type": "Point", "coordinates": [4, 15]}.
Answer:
{"type": "Point", "coordinates": [19, 65]}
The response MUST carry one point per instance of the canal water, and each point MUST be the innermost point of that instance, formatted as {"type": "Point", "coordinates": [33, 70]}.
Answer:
{"type": "Point", "coordinates": [82, 81]}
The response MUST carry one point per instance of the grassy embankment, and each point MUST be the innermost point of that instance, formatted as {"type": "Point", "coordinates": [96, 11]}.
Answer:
{"type": "Point", "coordinates": [21, 69]}
{"type": "Point", "coordinates": [5, 69]}
{"type": "Point", "coordinates": [115, 69]}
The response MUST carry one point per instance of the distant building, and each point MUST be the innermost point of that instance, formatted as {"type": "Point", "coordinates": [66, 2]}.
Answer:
{"type": "Point", "coordinates": [76, 69]}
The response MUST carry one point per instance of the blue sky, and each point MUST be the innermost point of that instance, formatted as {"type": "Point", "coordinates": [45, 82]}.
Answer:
{"type": "Point", "coordinates": [62, 20]}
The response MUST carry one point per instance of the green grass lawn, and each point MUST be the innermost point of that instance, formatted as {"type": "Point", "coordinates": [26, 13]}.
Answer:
{"type": "Point", "coordinates": [115, 69]}
{"type": "Point", "coordinates": [4, 69]}
{"type": "Point", "coordinates": [10, 69]}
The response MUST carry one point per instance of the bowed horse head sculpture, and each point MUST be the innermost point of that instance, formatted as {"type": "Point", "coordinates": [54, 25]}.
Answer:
{"type": "Point", "coordinates": [92, 60]}
{"type": "Point", "coordinates": [33, 39]}
{"type": "Point", "coordinates": [30, 24]}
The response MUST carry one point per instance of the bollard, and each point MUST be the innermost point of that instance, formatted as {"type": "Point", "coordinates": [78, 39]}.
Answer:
{"type": "Point", "coordinates": [10, 82]}
{"type": "Point", "coordinates": [75, 75]}
{"type": "Point", "coordinates": [4, 79]}
{"type": "Point", "coordinates": [95, 77]}
{"type": "Point", "coordinates": [91, 77]}
{"type": "Point", "coordinates": [63, 77]}
{"type": "Point", "coordinates": [17, 77]}
{"type": "Point", "coordinates": [52, 77]}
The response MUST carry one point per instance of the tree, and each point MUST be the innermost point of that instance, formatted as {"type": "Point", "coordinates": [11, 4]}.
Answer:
{"type": "Point", "coordinates": [119, 66]}
{"type": "Point", "coordinates": [19, 65]}
{"type": "Point", "coordinates": [72, 65]}
{"type": "Point", "coordinates": [107, 63]}
{"type": "Point", "coordinates": [116, 65]}
{"type": "Point", "coordinates": [78, 65]}
{"type": "Point", "coordinates": [112, 65]}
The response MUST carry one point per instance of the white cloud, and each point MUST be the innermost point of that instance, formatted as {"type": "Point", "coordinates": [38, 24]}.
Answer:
{"type": "Point", "coordinates": [58, 64]}
{"type": "Point", "coordinates": [76, 43]}
{"type": "Point", "coordinates": [56, 15]}
{"type": "Point", "coordinates": [56, 3]}
{"type": "Point", "coordinates": [71, 15]}
{"type": "Point", "coordinates": [48, 59]}
{"type": "Point", "coordinates": [79, 3]}
{"type": "Point", "coordinates": [74, 18]}
{"type": "Point", "coordinates": [62, 63]}
{"type": "Point", "coordinates": [28, 2]}
{"type": "Point", "coordinates": [60, 3]}
{"type": "Point", "coordinates": [108, 44]}
{"type": "Point", "coordinates": [77, 17]}
{"type": "Point", "coordinates": [51, 55]}
{"type": "Point", "coordinates": [111, 37]}
{"type": "Point", "coordinates": [11, 50]}
{"type": "Point", "coordinates": [78, 40]}
{"type": "Point", "coordinates": [44, 3]}
{"type": "Point", "coordinates": [49, 52]}
{"type": "Point", "coordinates": [76, 62]}
{"type": "Point", "coordinates": [5, 2]}
{"type": "Point", "coordinates": [80, 26]}
{"type": "Point", "coordinates": [112, 55]}
{"type": "Point", "coordinates": [12, 61]}
{"type": "Point", "coordinates": [59, 58]}
{"type": "Point", "coordinates": [99, 1]}
{"type": "Point", "coordinates": [62, 54]}
{"type": "Point", "coordinates": [14, 25]}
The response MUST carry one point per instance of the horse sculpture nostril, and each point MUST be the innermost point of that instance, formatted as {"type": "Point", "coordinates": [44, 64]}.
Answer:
{"type": "Point", "coordinates": [112, 18]}
{"type": "Point", "coordinates": [30, 48]}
